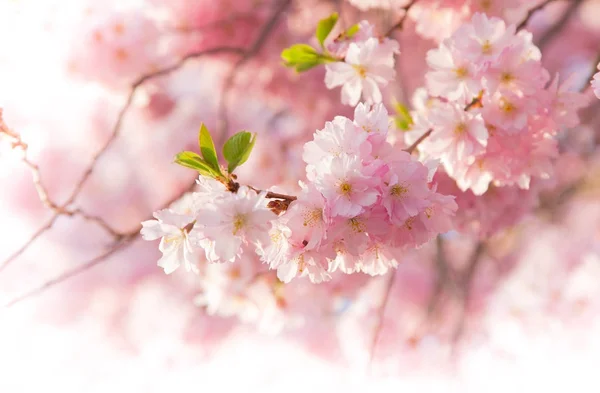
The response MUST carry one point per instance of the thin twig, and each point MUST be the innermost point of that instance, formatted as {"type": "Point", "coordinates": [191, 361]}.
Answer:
{"type": "Point", "coordinates": [62, 208]}
{"type": "Point", "coordinates": [400, 24]}
{"type": "Point", "coordinates": [223, 124]}
{"type": "Point", "coordinates": [530, 13]}
{"type": "Point", "coordinates": [381, 315]}
{"type": "Point", "coordinates": [465, 286]}
{"type": "Point", "coordinates": [73, 272]}
{"type": "Point", "coordinates": [412, 147]}
{"type": "Point", "coordinates": [554, 30]}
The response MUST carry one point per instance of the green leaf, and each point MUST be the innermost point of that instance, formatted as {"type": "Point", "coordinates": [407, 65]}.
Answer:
{"type": "Point", "coordinates": [403, 119]}
{"type": "Point", "coordinates": [351, 31]}
{"type": "Point", "coordinates": [324, 28]}
{"type": "Point", "coordinates": [207, 148]}
{"type": "Point", "coordinates": [192, 160]}
{"type": "Point", "coordinates": [303, 57]}
{"type": "Point", "coordinates": [237, 149]}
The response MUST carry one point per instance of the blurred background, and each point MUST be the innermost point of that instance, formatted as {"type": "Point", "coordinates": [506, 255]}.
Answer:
{"type": "Point", "coordinates": [98, 96]}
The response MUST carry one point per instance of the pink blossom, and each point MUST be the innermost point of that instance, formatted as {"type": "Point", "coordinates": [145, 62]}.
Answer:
{"type": "Point", "coordinates": [453, 76]}
{"type": "Point", "coordinates": [176, 242]}
{"type": "Point", "coordinates": [508, 111]}
{"type": "Point", "coordinates": [366, 66]}
{"type": "Point", "coordinates": [565, 102]}
{"type": "Point", "coordinates": [235, 222]}
{"type": "Point", "coordinates": [457, 135]}
{"type": "Point", "coordinates": [347, 185]}
{"type": "Point", "coordinates": [405, 190]}
{"type": "Point", "coordinates": [510, 71]}
{"type": "Point", "coordinates": [483, 39]}
{"type": "Point", "coordinates": [340, 136]}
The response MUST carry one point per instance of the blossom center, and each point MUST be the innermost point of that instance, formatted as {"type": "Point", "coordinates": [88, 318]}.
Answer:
{"type": "Point", "coordinates": [409, 223]}
{"type": "Point", "coordinates": [239, 222]}
{"type": "Point", "coordinates": [398, 190]}
{"type": "Point", "coordinates": [361, 71]}
{"type": "Point", "coordinates": [313, 217]}
{"type": "Point", "coordinates": [506, 77]}
{"type": "Point", "coordinates": [345, 188]}
{"type": "Point", "coordinates": [173, 239]}
{"type": "Point", "coordinates": [506, 106]}
{"type": "Point", "coordinates": [485, 4]}
{"type": "Point", "coordinates": [356, 225]}
{"type": "Point", "coordinates": [461, 72]}
{"type": "Point", "coordinates": [486, 47]}
{"type": "Point", "coordinates": [460, 129]}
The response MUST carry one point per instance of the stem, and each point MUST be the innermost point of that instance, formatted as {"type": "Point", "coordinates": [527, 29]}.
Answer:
{"type": "Point", "coordinates": [412, 147]}
{"type": "Point", "coordinates": [400, 24]}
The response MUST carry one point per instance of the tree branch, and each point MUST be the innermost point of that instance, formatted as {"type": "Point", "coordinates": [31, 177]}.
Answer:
{"type": "Point", "coordinates": [381, 315]}
{"type": "Point", "coordinates": [400, 24]}
{"type": "Point", "coordinates": [530, 13]}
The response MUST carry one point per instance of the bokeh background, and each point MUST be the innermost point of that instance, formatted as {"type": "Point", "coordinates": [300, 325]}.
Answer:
{"type": "Point", "coordinates": [125, 78]}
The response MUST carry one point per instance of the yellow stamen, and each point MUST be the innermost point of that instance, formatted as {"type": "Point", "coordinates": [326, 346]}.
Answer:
{"type": "Point", "coordinates": [460, 129]}
{"type": "Point", "coordinates": [461, 72]}
{"type": "Point", "coordinates": [356, 225]}
{"type": "Point", "coordinates": [360, 70]}
{"type": "Point", "coordinates": [239, 221]}
{"type": "Point", "coordinates": [486, 48]}
{"type": "Point", "coordinates": [506, 77]}
{"type": "Point", "coordinates": [345, 188]}
{"type": "Point", "coordinates": [398, 190]}
{"type": "Point", "coordinates": [312, 217]}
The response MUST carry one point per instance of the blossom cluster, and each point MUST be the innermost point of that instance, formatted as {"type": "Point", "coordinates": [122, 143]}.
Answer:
{"type": "Point", "coordinates": [368, 64]}
{"type": "Point", "coordinates": [364, 202]}
{"type": "Point", "coordinates": [489, 112]}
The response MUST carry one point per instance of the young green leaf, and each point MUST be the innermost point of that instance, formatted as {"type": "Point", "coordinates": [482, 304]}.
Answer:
{"type": "Point", "coordinates": [403, 119]}
{"type": "Point", "coordinates": [352, 30]}
{"type": "Point", "coordinates": [237, 149]}
{"type": "Point", "coordinates": [324, 28]}
{"type": "Point", "coordinates": [207, 148]}
{"type": "Point", "coordinates": [300, 56]}
{"type": "Point", "coordinates": [192, 160]}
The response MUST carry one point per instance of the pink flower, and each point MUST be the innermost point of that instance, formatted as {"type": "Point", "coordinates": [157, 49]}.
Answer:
{"type": "Point", "coordinates": [341, 136]}
{"type": "Point", "coordinates": [237, 221]}
{"type": "Point", "coordinates": [405, 191]}
{"type": "Point", "coordinates": [367, 66]}
{"type": "Point", "coordinates": [508, 111]}
{"type": "Point", "coordinates": [304, 262]}
{"type": "Point", "coordinates": [347, 185]}
{"type": "Point", "coordinates": [175, 239]}
{"type": "Point", "coordinates": [457, 135]}
{"type": "Point", "coordinates": [307, 217]}
{"type": "Point", "coordinates": [483, 39]}
{"type": "Point", "coordinates": [375, 122]}
{"type": "Point", "coordinates": [510, 71]}
{"type": "Point", "coordinates": [378, 258]}
{"type": "Point", "coordinates": [453, 76]}
{"type": "Point", "coordinates": [565, 101]}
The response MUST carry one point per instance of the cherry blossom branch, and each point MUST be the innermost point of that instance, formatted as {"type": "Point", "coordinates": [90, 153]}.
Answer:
{"type": "Point", "coordinates": [532, 11]}
{"type": "Point", "coordinates": [442, 279]}
{"type": "Point", "coordinates": [251, 52]}
{"type": "Point", "coordinates": [412, 147]}
{"type": "Point", "coordinates": [475, 103]}
{"type": "Point", "coordinates": [465, 288]}
{"type": "Point", "coordinates": [124, 243]}
{"type": "Point", "coordinates": [124, 239]}
{"type": "Point", "coordinates": [554, 30]}
{"type": "Point", "coordinates": [400, 24]}
{"type": "Point", "coordinates": [381, 315]}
